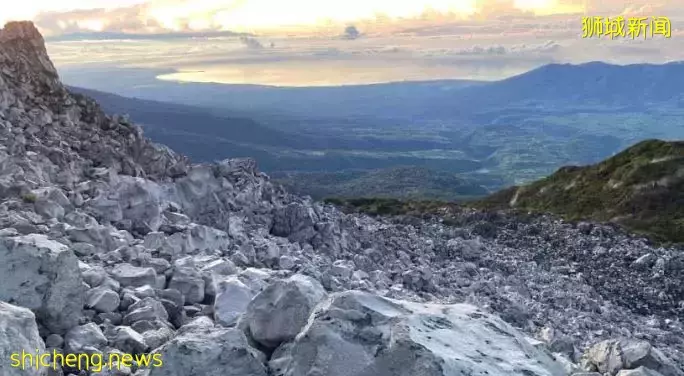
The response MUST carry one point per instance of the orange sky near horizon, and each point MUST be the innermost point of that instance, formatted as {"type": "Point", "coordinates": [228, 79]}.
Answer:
{"type": "Point", "coordinates": [256, 15]}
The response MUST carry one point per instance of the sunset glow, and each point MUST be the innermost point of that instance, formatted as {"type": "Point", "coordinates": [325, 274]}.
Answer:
{"type": "Point", "coordinates": [255, 15]}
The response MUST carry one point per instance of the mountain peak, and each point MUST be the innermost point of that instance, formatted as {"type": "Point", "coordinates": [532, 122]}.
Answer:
{"type": "Point", "coordinates": [25, 30]}
{"type": "Point", "coordinates": [23, 54]}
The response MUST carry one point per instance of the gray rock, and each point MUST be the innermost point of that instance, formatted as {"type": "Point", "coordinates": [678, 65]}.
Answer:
{"type": "Point", "coordinates": [611, 356]}
{"type": "Point", "coordinates": [102, 299]}
{"type": "Point", "coordinates": [278, 313]}
{"type": "Point", "coordinates": [190, 283]}
{"type": "Point", "coordinates": [44, 276]}
{"type": "Point", "coordinates": [385, 337]}
{"type": "Point", "coordinates": [641, 371]}
{"type": "Point", "coordinates": [95, 276]}
{"type": "Point", "coordinates": [287, 262]}
{"type": "Point", "coordinates": [54, 340]}
{"type": "Point", "coordinates": [86, 338]}
{"type": "Point", "coordinates": [210, 351]}
{"type": "Point", "coordinates": [144, 292]}
{"type": "Point", "coordinates": [232, 300]}
{"type": "Point", "coordinates": [18, 331]}
{"type": "Point", "coordinates": [146, 309]}
{"type": "Point", "coordinates": [641, 353]}
{"type": "Point", "coordinates": [220, 267]}
{"type": "Point", "coordinates": [292, 218]}
{"type": "Point", "coordinates": [133, 276]}
{"type": "Point", "coordinates": [645, 261]}
{"type": "Point", "coordinates": [157, 337]}
{"type": "Point", "coordinates": [126, 339]}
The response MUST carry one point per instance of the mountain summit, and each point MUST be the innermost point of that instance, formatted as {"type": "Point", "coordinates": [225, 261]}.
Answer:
{"type": "Point", "coordinates": [112, 244]}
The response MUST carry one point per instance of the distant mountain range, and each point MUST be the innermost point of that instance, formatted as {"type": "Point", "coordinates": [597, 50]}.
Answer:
{"type": "Point", "coordinates": [488, 134]}
{"type": "Point", "coordinates": [591, 85]}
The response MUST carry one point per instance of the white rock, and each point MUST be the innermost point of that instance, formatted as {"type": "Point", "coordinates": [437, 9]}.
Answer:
{"type": "Point", "coordinates": [611, 356]}
{"type": "Point", "coordinates": [126, 339]}
{"type": "Point", "coordinates": [148, 309]}
{"type": "Point", "coordinates": [133, 276]}
{"type": "Point", "coordinates": [189, 282]}
{"type": "Point", "coordinates": [278, 313]}
{"type": "Point", "coordinates": [231, 302]}
{"type": "Point", "coordinates": [102, 299]}
{"type": "Point", "coordinates": [44, 276]}
{"type": "Point", "coordinates": [356, 333]}
{"type": "Point", "coordinates": [18, 331]}
{"type": "Point", "coordinates": [641, 371]}
{"type": "Point", "coordinates": [86, 338]}
{"type": "Point", "coordinates": [209, 351]}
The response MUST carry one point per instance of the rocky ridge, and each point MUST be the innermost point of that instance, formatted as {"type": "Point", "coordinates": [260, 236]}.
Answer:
{"type": "Point", "coordinates": [110, 243]}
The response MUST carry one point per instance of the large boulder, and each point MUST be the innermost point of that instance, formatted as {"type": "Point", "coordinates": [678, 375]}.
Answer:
{"type": "Point", "coordinates": [18, 332]}
{"type": "Point", "coordinates": [611, 356]}
{"type": "Point", "coordinates": [126, 339]}
{"type": "Point", "coordinates": [130, 198]}
{"type": "Point", "coordinates": [278, 313]}
{"type": "Point", "coordinates": [134, 276]}
{"type": "Point", "coordinates": [148, 309]}
{"type": "Point", "coordinates": [291, 219]}
{"type": "Point", "coordinates": [86, 338]}
{"type": "Point", "coordinates": [641, 371]}
{"type": "Point", "coordinates": [359, 334]}
{"type": "Point", "coordinates": [44, 276]}
{"type": "Point", "coordinates": [102, 299]}
{"type": "Point", "coordinates": [231, 302]}
{"type": "Point", "coordinates": [189, 282]}
{"type": "Point", "coordinates": [209, 351]}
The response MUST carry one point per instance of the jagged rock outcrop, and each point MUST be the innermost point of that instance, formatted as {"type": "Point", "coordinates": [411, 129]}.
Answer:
{"type": "Point", "coordinates": [118, 244]}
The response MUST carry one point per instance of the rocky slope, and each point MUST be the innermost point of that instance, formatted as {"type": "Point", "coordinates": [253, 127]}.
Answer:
{"type": "Point", "coordinates": [109, 243]}
{"type": "Point", "coordinates": [641, 188]}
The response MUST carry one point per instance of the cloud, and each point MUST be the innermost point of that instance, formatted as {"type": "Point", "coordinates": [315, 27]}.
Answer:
{"type": "Point", "coordinates": [124, 20]}
{"type": "Point", "coordinates": [251, 43]}
{"type": "Point", "coordinates": [547, 47]}
{"type": "Point", "coordinates": [156, 16]}
{"type": "Point", "coordinates": [351, 32]}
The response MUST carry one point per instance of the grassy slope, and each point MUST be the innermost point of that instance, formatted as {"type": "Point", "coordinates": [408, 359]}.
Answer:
{"type": "Point", "coordinates": [641, 188]}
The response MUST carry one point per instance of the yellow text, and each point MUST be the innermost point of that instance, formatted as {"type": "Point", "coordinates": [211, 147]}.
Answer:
{"type": "Point", "coordinates": [94, 362]}
{"type": "Point", "coordinates": [621, 27]}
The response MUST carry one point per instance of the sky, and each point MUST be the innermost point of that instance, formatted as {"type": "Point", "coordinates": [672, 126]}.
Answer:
{"type": "Point", "coordinates": [252, 15]}
{"type": "Point", "coordinates": [306, 42]}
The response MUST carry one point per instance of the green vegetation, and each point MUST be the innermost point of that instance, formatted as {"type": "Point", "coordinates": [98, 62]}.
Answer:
{"type": "Point", "coordinates": [391, 206]}
{"type": "Point", "coordinates": [641, 188]}
{"type": "Point", "coordinates": [29, 198]}
{"type": "Point", "coordinates": [415, 183]}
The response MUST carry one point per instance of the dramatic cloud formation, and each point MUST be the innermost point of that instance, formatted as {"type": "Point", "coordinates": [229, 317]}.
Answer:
{"type": "Point", "coordinates": [253, 15]}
